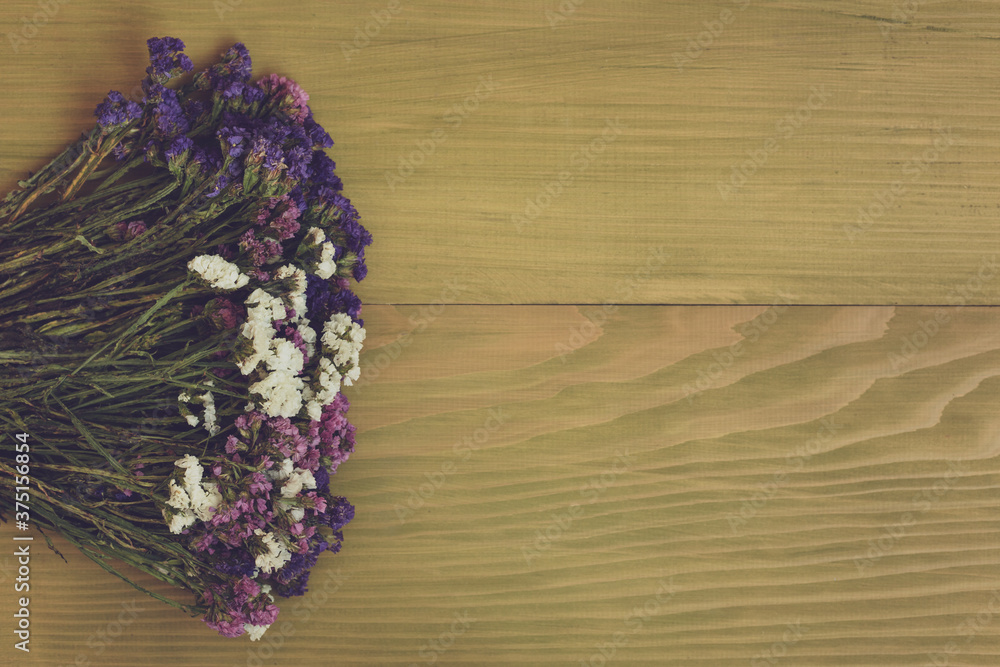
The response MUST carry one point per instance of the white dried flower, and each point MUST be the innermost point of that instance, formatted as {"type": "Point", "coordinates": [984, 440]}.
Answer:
{"type": "Point", "coordinates": [256, 631]}
{"type": "Point", "coordinates": [308, 337]}
{"type": "Point", "coordinates": [262, 311]}
{"type": "Point", "coordinates": [299, 479]}
{"type": "Point", "coordinates": [217, 272]}
{"type": "Point", "coordinates": [211, 425]}
{"type": "Point", "coordinates": [262, 307]}
{"type": "Point", "coordinates": [285, 357]}
{"type": "Point", "coordinates": [282, 471]}
{"type": "Point", "coordinates": [281, 394]}
{"type": "Point", "coordinates": [327, 266]}
{"type": "Point", "coordinates": [276, 555]}
{"type": "Point", "coordinates": [291, 271]}
{"type": "Point", "coordinates": [298, 293]}
{"type": "Point", "coordinates": [192, 469]}
{"type": "Point", "coordinates": [195, 500]}
{"type": "Point", "coordinates": [180, 521]}
{"type": "Point", "coordinates": [205, 498]}
{"type": "Point", "coordinates": [291, 487]}
{"type": "Point", "coordinates": [179, 498]}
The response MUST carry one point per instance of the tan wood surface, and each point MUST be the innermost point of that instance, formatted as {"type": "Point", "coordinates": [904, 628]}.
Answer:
{"type": "Point", "coordinates": [830, 476]}
{"type": "Point", "coordinates": [536, 86]}
{"type": "Point", "coordinates": [826, 495]}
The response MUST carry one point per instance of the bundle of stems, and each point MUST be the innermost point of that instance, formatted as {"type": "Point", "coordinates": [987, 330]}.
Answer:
{"type": "Point", "coordinates": [110, 333]}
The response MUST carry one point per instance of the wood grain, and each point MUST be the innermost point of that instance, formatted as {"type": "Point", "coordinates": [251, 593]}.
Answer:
{"type": "Point", "coordinates": [567, 484]}
{"type": "Point", "coordinates": [826, 496]}
{"type": "Point", "coordinates": [445, 188]}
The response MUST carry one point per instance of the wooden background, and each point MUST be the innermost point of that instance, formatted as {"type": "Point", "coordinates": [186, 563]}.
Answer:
{"type": "Point", "coordinates": [543, 479]}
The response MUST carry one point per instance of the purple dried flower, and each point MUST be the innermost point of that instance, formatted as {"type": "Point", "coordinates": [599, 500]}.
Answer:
{"type": "Point", "coordinates": [259, 484]}
{"type": "Point", "coordinates": [286, 224]}
{"type": "Point", "coordinates": [259, 250]}
{"type": "Point", "coordinates": [235, 67]}
{"type": "Point", "coordinates": [293, 577]}
{"type": "Point", "coordinates": [360, 270]}
{"type": "Point", "coordinates": [292, 99]}
{"type": "Point", "coordinates": [116, 111]}
{"type": "Point", "coordinates": [234, 139]}
{"type": "Point", "coordinates": [339, 514]}
{"type": "Point", "coordinates": [324, 298]}
{"type": "Point", "coordinates": [319, 137]}
{"type": "Point", "coordinates": [253, 94]}
{"type": "Point", "coordinates": [224, 315]}
{"type": "Point", "coordinates": [233, 90]}
{"type": "Point", "coordinates": [209, 159]}
{"type": "Point", "coordinates": [167, 112]}
{"type": "Point", "coordinates": [166, 59]}
{"type": "Point", "coordinates": [325, 183]}
{"type": "Point", "coordinates": [298, 158]}
{"type": "Point", "coordinates": [265, 616]}
{"type": "Point", "coordinates": [126, 231]}
{"type": "Point", "coordinates": [193, 109]}
{"type": "Point", "coordinates": [227, 628]}
{"type": "Point", "coordinates": [179, 148]}
{"type": "Point", "coordinates": [267, 153]}
{"type": "Point", "coordinates": [322, 478]}
{"type": "Point", "coordinates": [134, 229]}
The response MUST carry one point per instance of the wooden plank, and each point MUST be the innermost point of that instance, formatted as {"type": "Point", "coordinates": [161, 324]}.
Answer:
{"type": "Point", "coordinates": [841, 103]}
{"type": "Point", "coordinates": [558, 479]}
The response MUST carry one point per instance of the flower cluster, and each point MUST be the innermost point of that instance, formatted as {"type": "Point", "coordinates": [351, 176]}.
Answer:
{"type": "Point", "coordinates": [190, 498]}
{"type": "Point", "coordinates": [238, 199]}
{"type": "Point", "coordinates": [208, 401]}
{"type": "Point", "coordinates": [276, 512]}
{"type": "Point", "coordinates": [296, 335]}
{"type": "Point", "coordinates": [116, 111]}
{"type": "Point", "coordinates": [217, 272]}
